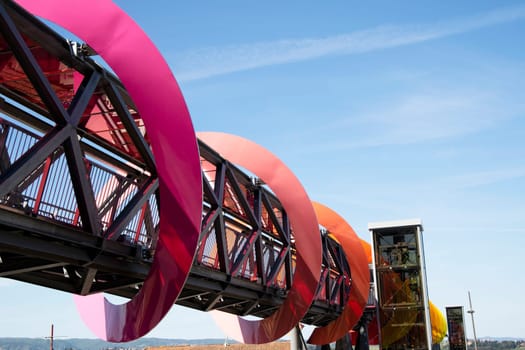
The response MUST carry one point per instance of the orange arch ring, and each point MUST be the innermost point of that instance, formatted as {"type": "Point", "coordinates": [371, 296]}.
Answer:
{"type": "Point", "coordinates": [358, 262]}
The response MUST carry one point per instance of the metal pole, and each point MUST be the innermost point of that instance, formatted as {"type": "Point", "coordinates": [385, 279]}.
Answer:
{"type": "Point", "coordinates": [51, 338]}
{"type": "Point", "coordinates": [296, 339]}
{"type": "Point", "coordinates": [471, 312]}
{"type": "Point", "coordinates": [424, 286]}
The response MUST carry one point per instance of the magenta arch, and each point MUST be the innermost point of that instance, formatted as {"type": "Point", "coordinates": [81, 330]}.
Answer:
{"type": "Point", "coordinates": [151, 85]}
{"type": "Point", "coordinates": [302, 216]}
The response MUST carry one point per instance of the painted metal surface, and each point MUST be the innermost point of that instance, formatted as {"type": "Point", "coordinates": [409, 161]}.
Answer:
{"type": "Point", "coordinates": [115, 37]}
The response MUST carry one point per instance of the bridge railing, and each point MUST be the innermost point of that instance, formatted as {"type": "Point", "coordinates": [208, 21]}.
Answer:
{"type": "Point", "coordinates": [48, 192]}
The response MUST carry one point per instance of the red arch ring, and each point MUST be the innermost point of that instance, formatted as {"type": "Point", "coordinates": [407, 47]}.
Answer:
{"type": "Point", "coordinates": [308, 241]}
{"type": "Point", "coordinates": [358, 262]}
{"type": "Point", "coordinates": [151, 85]}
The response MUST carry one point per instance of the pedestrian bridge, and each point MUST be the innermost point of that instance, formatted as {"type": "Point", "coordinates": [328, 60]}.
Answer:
{"type": "Point", "coordinates": [81, 198]}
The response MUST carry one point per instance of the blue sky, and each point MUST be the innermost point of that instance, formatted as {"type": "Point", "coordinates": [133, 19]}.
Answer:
{"type": "Point", "coordinates": [384, 110]}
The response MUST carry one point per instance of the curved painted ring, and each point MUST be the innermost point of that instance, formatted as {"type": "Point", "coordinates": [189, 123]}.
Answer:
{"type": "Point", "coordinates": [151, 85]}
{"type": "Point", "coordinates": [358, 262]}
{"type": "Point", "coordinates": [294, 199]}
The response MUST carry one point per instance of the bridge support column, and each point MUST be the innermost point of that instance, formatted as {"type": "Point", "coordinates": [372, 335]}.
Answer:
{"type": "Point", "coordinates": [296, 339]}
{"type": "Point", "coordinates": [361, 329]}
{"type": "Point", "coordinates": [362, 338]}
{"type": "Point", "coordinates": [345, 343]}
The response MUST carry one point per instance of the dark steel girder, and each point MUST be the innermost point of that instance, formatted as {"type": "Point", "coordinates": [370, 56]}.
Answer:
{"type": "Point", "coordinates": [88, 281]}
{"type": "Point", "coordinates": [258, 247]}
{"type": "Point", "coordinates": [28, 162]}
{"type": "Point", "coordinates": [222, 245]}
{"type": "Point", "coordinates": [283, 235]}
{"type": "Point", "coordinates": [41, 33]}
{"type": "Point", "coordinates": [133, 207]}
{"type": "Point", "coordinates": [28, 236]}
{"type": "Point", "coordinates": [46, 280]}
{"type": "Point", "coordinates": [131, 127]}
{"type": "Point", "coordinates": [45, 128]}
{"type": "Point", "coordinates": [82, 185]}
{"type": "Point", "coordinates": [112, 200]}
{"type": "Point", "coordinates": [253, 218]}
{"type": "Point", "coordinates": [35, 174]}
{"type": "Point", "coordinates": [31, 67]}
{"type": "Point", "coordinates": [82, 97]}
{"type": "Point", "coordinates": [5, 161]}
{"type": "Point", "coordinates": [288, 262]}
{"type": "Point", "coordinates": [24, 265]}
{"type": "Point", "coordinates": [121, 284]}
{"type": "Point", "coordinates": [241, 196]}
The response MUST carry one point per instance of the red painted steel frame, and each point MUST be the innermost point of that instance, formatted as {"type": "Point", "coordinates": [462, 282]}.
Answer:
{"type": "Point", "coordinates": [150, 83]}
{"type": "Point", "coordinates": [357, 260]}
{"type": "Point", "coordinates": [290, 192]}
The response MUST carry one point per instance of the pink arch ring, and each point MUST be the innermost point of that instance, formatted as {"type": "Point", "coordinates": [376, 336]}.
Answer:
{"type": "Point", "coordinates": [306, 229]}
{"type": "Point", "coordinates": [151, 85]}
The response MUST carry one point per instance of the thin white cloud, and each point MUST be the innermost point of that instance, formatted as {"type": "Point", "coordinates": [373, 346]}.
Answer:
{"type": "Point", "coordinates": [420, 118]}
{"type": "Point", "coordinates": [485, 178]}
{"type": "Point", "coordinates": [414, 119]}
{"type": "Point", "coordinates": [212, 61]}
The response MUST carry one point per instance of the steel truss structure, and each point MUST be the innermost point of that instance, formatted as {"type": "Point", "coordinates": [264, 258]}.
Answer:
{"type": "Point", "coordinates": [79, 192]}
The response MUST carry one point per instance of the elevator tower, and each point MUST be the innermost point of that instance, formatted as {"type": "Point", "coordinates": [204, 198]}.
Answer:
{"type": "Point", "coordinates": [401, 285]}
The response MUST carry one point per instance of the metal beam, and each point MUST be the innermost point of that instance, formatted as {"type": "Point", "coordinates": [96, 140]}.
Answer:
{"type": "Point", "coordinates": [285, 236]}
{"type": "Point", "coordinates": [59, 243]}
{"type": "Point", "coordinates": [33, 158]}
{"type": "Point", "coordinates": [33, 71]}
{"type": "Point", "coordinates": [112, 199]}
{"type": "Point", "coordinates": [5, 161]}
{"type": "Point", "coordinates": [220, 234]}
{"type": "Point", "coordinates": [252, 306]}
{"type": "Point", "coordinates": [133, 207]}
{"type": "Point", "coordinates": [213, 302]}
{"type": "Point", "coordinates": [276, 267]}
{"type": "Point", "coordinates": [39, 32]}
{"type": "Point", "coordinates": [114, 287]}
{"type": "Point", "coordinates": [39, 170]}
{"type": "Point", "coordinates": [82, 97]}
{"type": "Point", "coordinates": [22, 115]}
{"type": "Point", "coordinates": [40, 126]}
{"type": "Point", "coordinates": [234, 183]}
{"type": "Point", "coordinates": [24, 265]}
{"type": "Point", "coordinates": [46, 280]}
{"type": "Point", "coordinates": [131, 127]}
{"type": "Point", "coordinates": [259, 253]}
{"type": "Point", "coordinates": [245, 252]}
{"type": "Point", "coordinates": [82, 185]}
{"type": "Point", "coordinates": [88, 281]}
